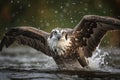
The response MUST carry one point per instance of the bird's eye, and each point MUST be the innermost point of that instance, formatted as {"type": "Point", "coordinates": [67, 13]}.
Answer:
{"type": "Point", "coordinates": [63, 33]}
{"type": "Point", "coordinates": [55, 32]}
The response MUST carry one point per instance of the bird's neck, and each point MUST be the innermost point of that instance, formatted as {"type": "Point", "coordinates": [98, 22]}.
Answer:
{"type": "Point", "coordinates": [59, 47]}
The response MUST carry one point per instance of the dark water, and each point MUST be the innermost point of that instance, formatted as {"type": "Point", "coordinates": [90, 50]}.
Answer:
{"type": "Point", "coordinates": [24, 63]}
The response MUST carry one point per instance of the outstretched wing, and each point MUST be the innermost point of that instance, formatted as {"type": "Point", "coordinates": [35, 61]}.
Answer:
{"type": "Point", "coordinates": [30, 36]}
{"type": "Point", "coordinates": [91, 30]}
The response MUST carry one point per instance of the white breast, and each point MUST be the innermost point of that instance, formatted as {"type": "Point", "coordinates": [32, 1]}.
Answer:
{"type": "Point", "coordinates": [59, 47]}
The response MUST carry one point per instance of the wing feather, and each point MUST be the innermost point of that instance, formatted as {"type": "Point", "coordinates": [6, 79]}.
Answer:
{"type": "Point", "coordinates": [29, 36]}
{"type": "Point", "coordinates": [91, 30]}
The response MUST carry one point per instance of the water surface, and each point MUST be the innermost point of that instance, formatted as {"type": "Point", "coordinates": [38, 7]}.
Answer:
{"type": "Point", "coordinates": [25, 63]}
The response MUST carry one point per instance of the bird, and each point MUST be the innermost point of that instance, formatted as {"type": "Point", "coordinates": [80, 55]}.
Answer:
{"type": "Point", "coordinates": [71, 46]}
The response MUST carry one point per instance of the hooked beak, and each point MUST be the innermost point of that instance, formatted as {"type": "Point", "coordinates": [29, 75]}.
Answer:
{"type": "Point", "coordinates": [58, 37]}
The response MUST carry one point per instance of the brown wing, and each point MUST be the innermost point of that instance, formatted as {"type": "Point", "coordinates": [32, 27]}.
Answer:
{"type": "Point", "coordinates": [91, 30]}
{"type": "Point", "coordinates": [30, 36]}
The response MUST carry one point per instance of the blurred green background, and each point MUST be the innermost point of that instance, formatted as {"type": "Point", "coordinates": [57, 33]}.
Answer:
{"type": "Point", "coordinates": [48, 14]}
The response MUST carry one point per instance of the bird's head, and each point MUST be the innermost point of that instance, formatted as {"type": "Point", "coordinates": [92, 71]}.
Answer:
{"type": "Point", "coordinates": [58, 34]}
{"type": "Point", "coordinates": [59, 41]}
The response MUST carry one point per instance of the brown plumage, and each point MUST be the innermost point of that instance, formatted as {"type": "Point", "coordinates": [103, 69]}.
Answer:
{"type": "Point", "coordinates": [84, 39]}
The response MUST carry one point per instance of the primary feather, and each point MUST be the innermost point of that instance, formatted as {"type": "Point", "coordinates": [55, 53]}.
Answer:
{"type": "Point", "coordinates": [66, 46]}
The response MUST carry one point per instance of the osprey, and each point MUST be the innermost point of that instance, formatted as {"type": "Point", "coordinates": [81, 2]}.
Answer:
{"type": "Point", "coordinates": [66, 46]}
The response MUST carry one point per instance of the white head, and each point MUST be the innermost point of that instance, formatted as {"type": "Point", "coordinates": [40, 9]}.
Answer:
{"type": "Point", "coordinates": [58, 34]}
{"type": "Point", "coordinates": [58, 40]}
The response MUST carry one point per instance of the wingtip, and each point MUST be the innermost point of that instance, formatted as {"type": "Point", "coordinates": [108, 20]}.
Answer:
{"type": "Point", "coordinates": [1, 47]}
{"type": "Point", "coordinates": [2, 44]}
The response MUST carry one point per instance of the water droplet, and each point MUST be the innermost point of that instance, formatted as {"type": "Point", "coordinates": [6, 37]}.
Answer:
{"type": "Point", "coordinates": [18, 2]}
{"type": "Point", "coordinates": [72, 21]}
{"type": "Point", "coordinates": [61, 15]}
{"type": "Point", "coordinates": [38, 63]}
{"type": "Point", "coordinates": [86, 9]}
{"type": "Point", "coordinates": [61, 7]}
{"type": "Point", "coordinates": [81, 2]}
{"type": "Point", "coordinates": [47, 2]}
{"type": "Point", "coordinates": [16, 12]}
{"type": "Point", "coordinates": [75, 21]}
{"type": "Point", "coordinates": [100, 5]}
{"type": "Point", "coordinates": [29, 5]}
{"type": "Point", "coordinates": [56, 12]}
{"type": "Point", "coordinates": [42, 11]}
{"type": "Point", "coordinates": [47, 24]}
{"type": "Point", "coordinates": [104, 12]}
{"type": "Point", "coordinates": [32, 16]}
{"type": "Point", "coordinates": [67, 4]}
{"type": "Point", "coordinates": [24, 20]}
{"type": "Point", "coordinates": [106, 62]}
{"type": "Point", "coordinates": [74, 3]}
{"type": "Point", "coordinates": [53, 20]}
{"type": "Point", "coordinates": [41, 21]}
{"type": "Point", "coordinates": [6, 28]}
{"type": "Point", "coordinates": [11, 1]}
{"type": "Point", "coordinates": [111, 10]}
{"type": "Point", "coordinates": [64, 10]}
{"type": "Point", "coordinates": [20, 7]}
{"type": "Point", "coordinates": [13, 15]}
{"type": "Point", "coordinates": [52, 1]}
{"type": "Point", "coordinates": [75, 11]}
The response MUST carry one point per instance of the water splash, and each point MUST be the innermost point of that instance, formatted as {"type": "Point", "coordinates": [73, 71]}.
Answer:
{"type": "Point", "coordinates": [97, 61]}
{"type": "Point", "coordinates": [104, 59]}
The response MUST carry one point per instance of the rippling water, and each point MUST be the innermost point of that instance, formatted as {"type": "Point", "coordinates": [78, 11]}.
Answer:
{"type": "Point", "coordinates": [23, 62]}
{"type": "Point", "coordinates": [26, 58]}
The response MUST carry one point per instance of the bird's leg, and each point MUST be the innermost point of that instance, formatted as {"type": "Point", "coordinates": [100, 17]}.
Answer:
{"type": "Point", "coordinates": [81, 58]}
